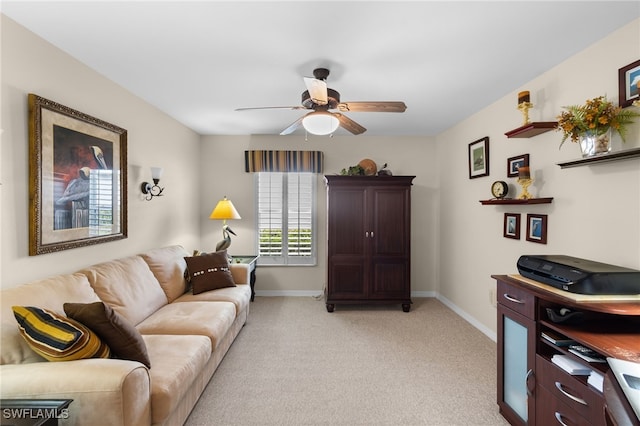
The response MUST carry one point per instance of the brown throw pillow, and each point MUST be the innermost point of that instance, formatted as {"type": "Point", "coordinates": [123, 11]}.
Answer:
{"type": "Point", "coordinates": [123, 338]}
{"type": "Point", "coordinates": [209, 271]}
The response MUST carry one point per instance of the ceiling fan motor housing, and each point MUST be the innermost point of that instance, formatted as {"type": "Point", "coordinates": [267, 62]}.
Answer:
{"type": "Point", "coordinates": [333, 97]}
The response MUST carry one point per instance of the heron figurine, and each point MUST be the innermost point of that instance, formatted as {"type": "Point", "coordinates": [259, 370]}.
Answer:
{"type": "Point", "coordinates": [226, 238]}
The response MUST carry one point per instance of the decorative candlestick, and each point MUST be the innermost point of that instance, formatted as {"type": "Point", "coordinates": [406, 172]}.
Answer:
{"type": "Point", "coordinates": [524, 105]}
{"type": "Point", "coordinates": [524, 179]}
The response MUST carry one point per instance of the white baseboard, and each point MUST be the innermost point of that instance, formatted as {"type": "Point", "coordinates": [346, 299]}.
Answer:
{"type": "Point", "coordinates": [298, 293]}
{"type": "Point", "coordinates": [471, 320]}
{"type": "Point", "coordinates": [292, 293]}
{"type": "Point", "coordinates": [318, 294]}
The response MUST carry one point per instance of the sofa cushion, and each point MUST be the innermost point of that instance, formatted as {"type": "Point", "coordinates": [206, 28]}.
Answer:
{"type": "Point", "coordinates": [177, 362]}
{"type": "Point", "coordinates": [58, 338]}
{"type": "Point", "coordinates": [49, 293]}
{"type": "Point", "coordinates": [211, 319]}
{"type": "Point", "coordinates": [128, 286]}
{"type": "Point", "coordinates": [209, 271]}
{"type": "Point", "coordinates": [168, 266]}
{"type": "Point", "coordinates": [239, 295]}
{"type": "Point", "coordinates": [123, 338]}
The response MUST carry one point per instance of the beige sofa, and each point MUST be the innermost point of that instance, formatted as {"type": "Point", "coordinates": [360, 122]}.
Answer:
{"type": "Point", "coordinates": [186, 337]}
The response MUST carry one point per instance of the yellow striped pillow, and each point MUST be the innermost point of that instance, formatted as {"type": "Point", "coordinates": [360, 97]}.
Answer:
{"type": "Point", "coordinates": [56, 337]}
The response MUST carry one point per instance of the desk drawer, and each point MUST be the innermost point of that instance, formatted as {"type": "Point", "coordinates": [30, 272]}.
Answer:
{"type": "Point", "coordinates": [516, 299]}
{"type": "Point", "coordinates": [550, 411]}
{"type": "Point", "coordinates": [573, 392]}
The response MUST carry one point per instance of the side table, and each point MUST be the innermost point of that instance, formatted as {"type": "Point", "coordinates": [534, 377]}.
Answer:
{"type": "Point", "coordinates": [33, 412]}
{"type": "Point", "coordinates": [250, 260]}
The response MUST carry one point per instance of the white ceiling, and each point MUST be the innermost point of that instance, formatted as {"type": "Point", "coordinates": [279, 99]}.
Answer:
{"type": "Point", "coordinates": [199, 60]}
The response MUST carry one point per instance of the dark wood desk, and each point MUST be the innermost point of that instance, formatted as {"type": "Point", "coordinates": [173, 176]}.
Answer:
{"type": "Point", "coordinates": [532, 389]}
{"type": "Point", "coordinates": [33, 412]}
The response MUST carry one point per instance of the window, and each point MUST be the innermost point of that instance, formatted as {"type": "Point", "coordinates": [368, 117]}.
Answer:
{"type": "Point", "coordinates": [286, 218]}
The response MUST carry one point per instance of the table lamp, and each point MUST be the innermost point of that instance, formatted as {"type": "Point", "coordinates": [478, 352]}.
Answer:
{"type": "Point", "coordinates": [225, 210]}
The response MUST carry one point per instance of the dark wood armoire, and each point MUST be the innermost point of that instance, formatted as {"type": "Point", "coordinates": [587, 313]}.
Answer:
{"type": "Point", "coordinates": [368, 240]}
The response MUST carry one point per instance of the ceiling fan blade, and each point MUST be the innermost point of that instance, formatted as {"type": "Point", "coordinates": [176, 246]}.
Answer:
{"type": "Point", "coordinates": [271, 107]}
{"type": "Point", "coordinates": [350, 125]}
{"type": "Point", "coordinates": [317, 90]}
{"type": "Point", "coordinates": [372, 106]}
{"type": "Point", "coordinates": [293, 126]}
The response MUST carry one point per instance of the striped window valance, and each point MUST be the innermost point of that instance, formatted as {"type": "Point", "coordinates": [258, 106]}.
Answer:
{"type": "Point", "coordinates": [283, 161]}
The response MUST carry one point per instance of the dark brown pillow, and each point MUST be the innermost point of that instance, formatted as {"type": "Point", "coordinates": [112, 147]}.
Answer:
{"type": "Point", "coordinates": [123, 338]}
{"type": "Point", "coordinates": [209, 271]}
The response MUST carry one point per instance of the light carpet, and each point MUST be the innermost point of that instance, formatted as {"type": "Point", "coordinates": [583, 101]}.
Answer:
{"type": "Point", "coordinates": [296, 364]}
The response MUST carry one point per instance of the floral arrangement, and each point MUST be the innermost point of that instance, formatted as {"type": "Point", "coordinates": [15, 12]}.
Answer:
{"type": "Point", "coordinates": [596, 116]}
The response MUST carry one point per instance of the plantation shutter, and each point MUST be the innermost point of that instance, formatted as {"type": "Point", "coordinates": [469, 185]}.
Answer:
{"type": "Point", "coordinates": [300, 214]}
{"type": "Point", "coordinates": [270, 214]}
{"type": "Point", "coordinates": [285, 199]}
{"type": "Point", "coordinates": [286, 218]}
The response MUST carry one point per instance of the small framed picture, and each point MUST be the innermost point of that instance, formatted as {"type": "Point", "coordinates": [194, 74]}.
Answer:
{"type": "Point", "coordinates": [479, 158]}
{"type": "Point", "coordinates": [629, 84]}
{"type": "Point", "coordinates": [537, 228]}
{"type": "Point", "coordinates": [514, 163]}
{"type": "Point", "coordinates": [511, 226]}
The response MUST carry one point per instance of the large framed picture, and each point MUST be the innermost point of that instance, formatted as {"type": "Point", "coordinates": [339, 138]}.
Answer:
{"type": "Point", "coordinates": [77, 178]}
{"type": "Point", "coordinates": [514, 163]}
{"type": "Point", "coordinates": [479, 158]}
{"type": "Point", "coordinates": [511, 226]}
{"type": "Point", "coordinates": [629, 84]}
{"type": "Point", "coordinates": [537, 228]}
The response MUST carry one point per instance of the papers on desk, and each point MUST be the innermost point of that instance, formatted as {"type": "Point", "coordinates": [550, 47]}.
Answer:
{"type": "Point", "coordinates": [570, 366]}
{"type": "Point", "coordinates": [596, 380]}
{"type": "Point", "coordinates": [628, 375]}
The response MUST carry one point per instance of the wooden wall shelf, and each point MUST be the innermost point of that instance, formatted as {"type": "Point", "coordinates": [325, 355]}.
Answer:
{"type": "Point", "coordinates": [532, 129]}
{"type": "Point", "coordinates": [513, 201]}
{"type": "Point", "coordinates": [613, 156]}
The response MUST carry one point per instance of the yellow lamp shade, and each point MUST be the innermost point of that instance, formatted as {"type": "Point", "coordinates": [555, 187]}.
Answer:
{"type": "Point", "coordinates": [225, 210]}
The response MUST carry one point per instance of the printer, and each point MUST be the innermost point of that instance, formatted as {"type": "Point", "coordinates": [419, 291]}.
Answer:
{"type": "Point", "coordinates": [580, 275]}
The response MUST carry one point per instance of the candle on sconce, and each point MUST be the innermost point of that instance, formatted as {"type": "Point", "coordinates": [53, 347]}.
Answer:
{"type": "Point", "coordinates": [524, 172]}
{"type": "Point", "coordinates": [523, 97]}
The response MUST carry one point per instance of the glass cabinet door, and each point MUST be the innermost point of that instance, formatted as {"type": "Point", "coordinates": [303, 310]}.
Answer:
{"type": "Point", "coordinates": [516, 340]}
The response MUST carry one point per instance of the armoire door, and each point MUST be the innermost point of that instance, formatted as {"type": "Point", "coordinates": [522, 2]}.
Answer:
{"type": "Point", "coordinates": [347, 243]}
{"type": "Point", "coordinates": [389, 243]}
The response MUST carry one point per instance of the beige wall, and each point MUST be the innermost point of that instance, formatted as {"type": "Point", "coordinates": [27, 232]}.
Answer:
{"type": "Point", "coordinates": [595, 213]}
{"type": "Point", "coordinates": [223, 161]}
{"type": "Point", "coordinates": [31, 65]}
{"type": "Point", "coordinates": [457, 243]}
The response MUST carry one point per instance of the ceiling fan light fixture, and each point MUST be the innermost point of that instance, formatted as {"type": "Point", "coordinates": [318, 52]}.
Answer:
{"type": "Point", "coordinates": [320, 123]}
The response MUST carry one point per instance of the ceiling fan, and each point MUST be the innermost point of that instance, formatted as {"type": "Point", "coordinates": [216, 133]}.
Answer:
{"type": "Point", "coordinates": [321, 100]}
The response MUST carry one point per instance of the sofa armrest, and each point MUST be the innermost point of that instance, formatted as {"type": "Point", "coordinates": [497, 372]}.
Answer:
{"type": "Point", "coordinates": [104, 391]}
{"type": "Point", "coordinates": [240, 273]}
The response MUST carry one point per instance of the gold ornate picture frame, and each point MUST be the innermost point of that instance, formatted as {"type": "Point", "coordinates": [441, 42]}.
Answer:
{"type": "Point", "coordinates": [77, 178]}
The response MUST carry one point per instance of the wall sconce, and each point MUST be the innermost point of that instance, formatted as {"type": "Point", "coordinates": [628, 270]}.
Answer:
{"type": "Point", "coordinates": [225, 210]}
{"type": "Point", "coordinates": [152, 190]}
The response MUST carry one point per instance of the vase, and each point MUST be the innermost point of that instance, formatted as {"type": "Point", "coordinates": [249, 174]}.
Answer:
{"type": "Point", "coordinates": [595, 143]}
